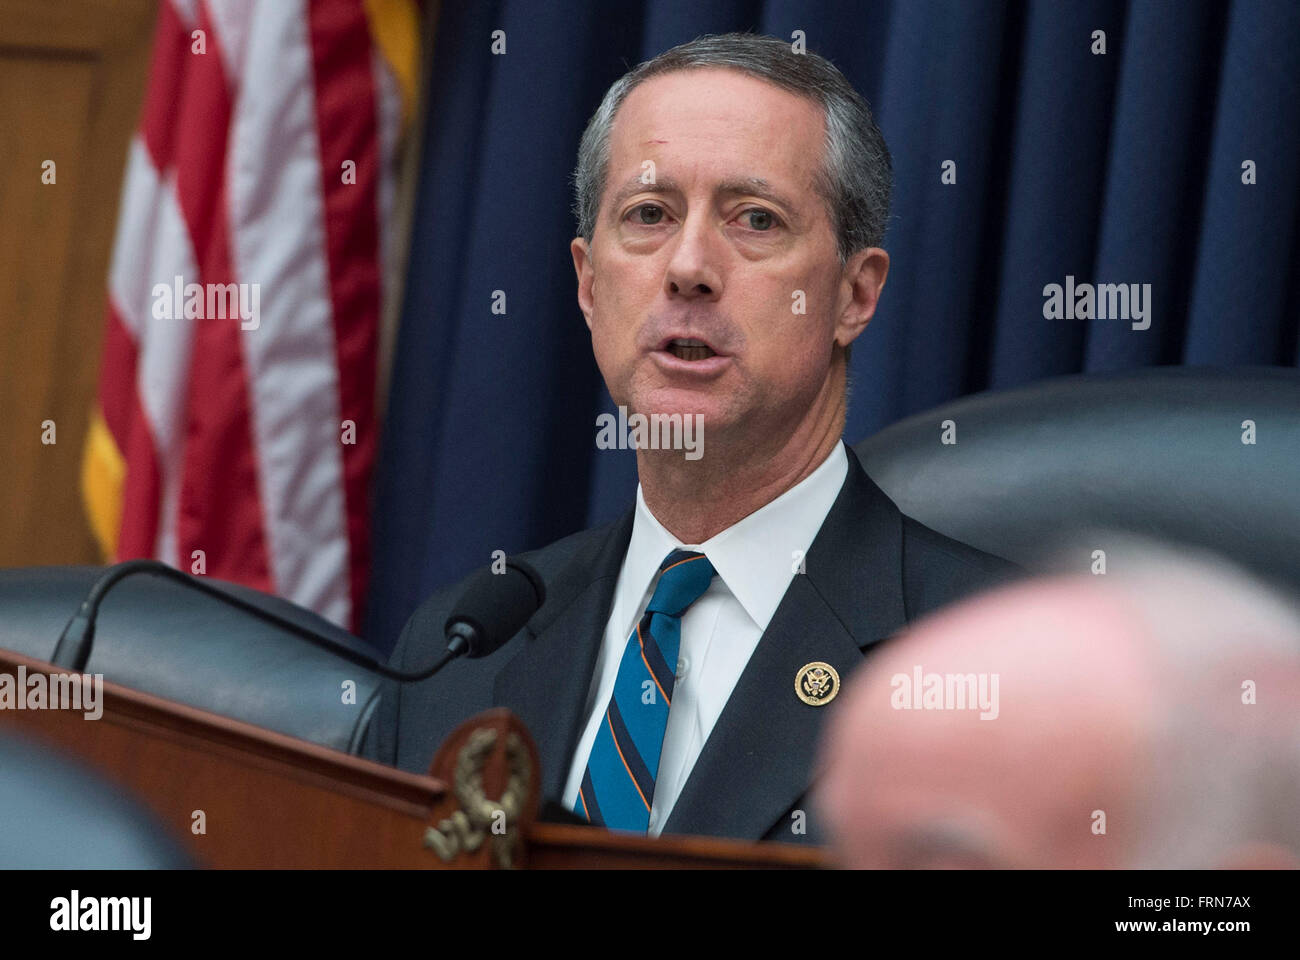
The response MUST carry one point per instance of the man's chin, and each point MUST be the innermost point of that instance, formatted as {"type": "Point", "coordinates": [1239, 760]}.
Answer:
{"type": "Point", "coordinates": [669, 401]}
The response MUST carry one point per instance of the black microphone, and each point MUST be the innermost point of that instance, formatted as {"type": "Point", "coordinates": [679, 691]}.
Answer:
{"type": "Point", "coordinates": [492, 609]}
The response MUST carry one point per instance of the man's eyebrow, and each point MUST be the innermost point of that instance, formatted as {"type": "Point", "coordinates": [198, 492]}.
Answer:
{"type": "Point", "coordinates": [634, 184]}
{"type": "Point", "coordinates": [755, 187]}
{"type": "Point", "coordinates": [735, 186]}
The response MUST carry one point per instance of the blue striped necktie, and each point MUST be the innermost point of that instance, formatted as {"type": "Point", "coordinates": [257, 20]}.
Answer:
{"type": "Point", "coordinates": [618, 786]}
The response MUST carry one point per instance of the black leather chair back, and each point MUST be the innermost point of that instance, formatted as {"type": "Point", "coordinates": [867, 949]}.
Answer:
{"type": "Point", "coordinates": [1157, 453]}
{"type": "Point", "coordinates": [155, 635]}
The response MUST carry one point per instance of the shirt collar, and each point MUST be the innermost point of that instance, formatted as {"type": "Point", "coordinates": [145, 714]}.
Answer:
{"type": "Point", "coordinates": [756, 557]}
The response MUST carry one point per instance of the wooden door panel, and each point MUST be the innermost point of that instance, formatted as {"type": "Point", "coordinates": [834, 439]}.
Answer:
{"type": "Point", "coordinates": [72, 74]}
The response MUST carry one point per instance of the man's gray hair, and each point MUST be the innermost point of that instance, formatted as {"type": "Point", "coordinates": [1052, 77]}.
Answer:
{"type": "Point", "coordinates": [1224, 769]}
{"type": "Point", "coordinates": [855, 176]}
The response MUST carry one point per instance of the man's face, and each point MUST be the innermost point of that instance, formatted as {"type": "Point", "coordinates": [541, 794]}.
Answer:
{"type": "Point", "coordinates": [722, 242]}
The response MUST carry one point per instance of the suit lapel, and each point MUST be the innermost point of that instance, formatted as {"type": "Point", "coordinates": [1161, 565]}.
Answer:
{"type": "Point", "coordinates": [758, 759]}
{"type": "Point", "coordinates": [547, 682]}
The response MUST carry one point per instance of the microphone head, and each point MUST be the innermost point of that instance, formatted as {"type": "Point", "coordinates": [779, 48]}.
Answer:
{"type": "Point", "coordinates": [494, 607]}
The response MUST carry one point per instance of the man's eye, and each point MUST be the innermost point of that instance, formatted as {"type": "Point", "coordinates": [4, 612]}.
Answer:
{"type": "Point", "coordinates": [760, 220]}
{"type": "Point", "coordinates": [648, 214]}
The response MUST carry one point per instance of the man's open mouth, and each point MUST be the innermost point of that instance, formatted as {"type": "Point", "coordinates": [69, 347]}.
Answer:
{"type": "Point", "coordinates": [684, 348]}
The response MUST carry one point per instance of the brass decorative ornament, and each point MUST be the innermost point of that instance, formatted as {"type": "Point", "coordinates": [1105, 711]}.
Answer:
{"type": "Point", "coordinates": [481, 818]}
{"type": "Point", "coordinates": [817, 683]}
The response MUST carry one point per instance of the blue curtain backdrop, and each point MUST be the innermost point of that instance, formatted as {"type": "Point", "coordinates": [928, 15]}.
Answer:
{"type": "Point", "coordinates": [1123, 167]}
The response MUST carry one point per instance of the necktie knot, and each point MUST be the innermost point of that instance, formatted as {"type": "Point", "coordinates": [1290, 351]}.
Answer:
{"type": "Point", "coordinates": [683, 578]}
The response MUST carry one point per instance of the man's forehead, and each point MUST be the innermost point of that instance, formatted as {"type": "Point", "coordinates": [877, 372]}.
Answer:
{"type": "Point", "coordinates": [736, 133]}
{"type": "Point", "coordinates": [716, 109]}
{"type": "Point", "coordinates": [703, 90]}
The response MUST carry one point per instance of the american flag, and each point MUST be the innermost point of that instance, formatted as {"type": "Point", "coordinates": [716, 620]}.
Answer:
{"type": "Point", "coordinates": [265, 157]}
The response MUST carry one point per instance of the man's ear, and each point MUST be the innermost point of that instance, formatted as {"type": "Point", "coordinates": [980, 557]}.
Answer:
{"type": "Point", "coordinates": [863, 279]}
{"type": "Point", "coordinates": [586, 272]}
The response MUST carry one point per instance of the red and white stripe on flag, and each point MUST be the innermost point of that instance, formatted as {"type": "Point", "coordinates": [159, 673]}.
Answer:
{"type": "Point", "coordinates": [241, 442]}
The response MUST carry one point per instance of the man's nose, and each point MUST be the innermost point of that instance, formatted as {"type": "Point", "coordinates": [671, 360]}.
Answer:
{"type": "Point", "coordinates": [693, 269]}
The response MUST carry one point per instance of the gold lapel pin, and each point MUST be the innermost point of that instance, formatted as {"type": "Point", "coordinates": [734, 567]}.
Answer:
{"type": "Point", "coordinates": [817, 683]}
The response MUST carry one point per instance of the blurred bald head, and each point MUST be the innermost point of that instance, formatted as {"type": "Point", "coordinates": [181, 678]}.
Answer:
{"type": "Point", "coordinates": [1146, 718]}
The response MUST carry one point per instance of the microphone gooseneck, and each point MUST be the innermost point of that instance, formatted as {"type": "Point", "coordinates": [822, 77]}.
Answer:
{"type": "Point", "coordinates": [491, 610]}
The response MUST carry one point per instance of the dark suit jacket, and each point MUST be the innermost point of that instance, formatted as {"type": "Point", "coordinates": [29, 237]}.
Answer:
{"type": "Point", "coordinates": [870, 571]}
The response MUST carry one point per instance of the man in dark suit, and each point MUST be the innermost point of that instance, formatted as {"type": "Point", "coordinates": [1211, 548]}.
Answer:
{"type": "Point", "coordinates": [732, 196]}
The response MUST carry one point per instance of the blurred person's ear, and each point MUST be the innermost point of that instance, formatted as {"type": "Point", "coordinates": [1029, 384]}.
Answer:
{"type": "Point", "coordinates": [1260, 856]}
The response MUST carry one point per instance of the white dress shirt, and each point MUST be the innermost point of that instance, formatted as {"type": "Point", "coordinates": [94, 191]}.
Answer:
{"type": "Point", "coordinates": [755, 560]}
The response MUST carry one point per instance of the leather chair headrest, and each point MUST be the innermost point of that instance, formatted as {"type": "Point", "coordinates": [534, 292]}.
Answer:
{"type": "Point", "coordinates": [155, 635]}
{"type": "Point", "coordinates": [1158, 453]}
